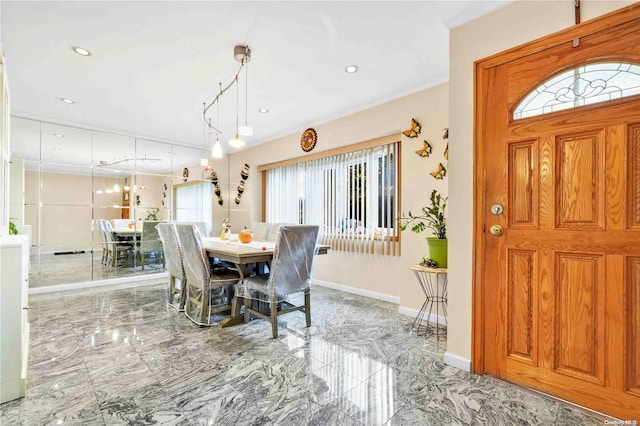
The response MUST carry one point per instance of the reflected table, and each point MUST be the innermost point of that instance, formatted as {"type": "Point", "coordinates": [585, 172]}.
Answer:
{"type": "Point", "coordinates": [433, 282]}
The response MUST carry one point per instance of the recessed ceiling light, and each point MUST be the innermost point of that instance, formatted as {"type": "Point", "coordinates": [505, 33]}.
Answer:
{"type": "Point", "coordinates": [350, 69]}
{"type": "Point", "coordinates": [263, 110]}
{"type": "Point", "coordinates": [68, 101]}
{"type": "Point", "coordinates": [81, 51]}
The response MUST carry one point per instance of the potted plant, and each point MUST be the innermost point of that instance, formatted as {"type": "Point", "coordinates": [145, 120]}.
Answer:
{"type": "Point", "coordinates": [431, 217]}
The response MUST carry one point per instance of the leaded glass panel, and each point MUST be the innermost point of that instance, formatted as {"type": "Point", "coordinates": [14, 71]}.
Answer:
{"type": "Point", "coordinates": [584, 85]}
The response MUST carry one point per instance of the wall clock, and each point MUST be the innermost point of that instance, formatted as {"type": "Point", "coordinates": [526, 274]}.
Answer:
{"type": "Point", "coordinates": [308, 140]}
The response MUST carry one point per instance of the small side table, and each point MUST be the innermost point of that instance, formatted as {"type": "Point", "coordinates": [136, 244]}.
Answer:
{"type": "Point", "coordinates": [433, 282]}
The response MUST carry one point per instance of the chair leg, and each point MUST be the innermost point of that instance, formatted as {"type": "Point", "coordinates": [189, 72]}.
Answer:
{"type": "Point", "coordinates": [274, 316]}
{"type": "Point", "coordinates": [246, 310]}
{"type": "Point", "coordinates": [307, 307]}
{"type": "Point", "coordinates": [172, 288]}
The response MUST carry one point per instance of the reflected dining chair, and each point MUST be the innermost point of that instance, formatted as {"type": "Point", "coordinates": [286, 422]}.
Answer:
{"type": "Point", "coordinates": [290, 273]}
{"type": "Point", "coordinates": [118, 252]}
{"type": "Point", "coordinates": [208, 291]}
{"type": "Point", "coordinates": [101, 224]}
{"type": "Point", "coordinates": [150, 244]}
{"type": "Point", "coordinates": [173, 258]}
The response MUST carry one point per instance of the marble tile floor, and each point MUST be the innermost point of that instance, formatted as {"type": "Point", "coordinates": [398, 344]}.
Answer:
{"type": "Point", "coordinates": [120, 356]}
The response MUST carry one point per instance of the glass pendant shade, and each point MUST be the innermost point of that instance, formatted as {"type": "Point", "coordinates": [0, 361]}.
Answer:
{"type": "Point", "coordinates": [116, 188]}
{"type": "Point", "coordinates": [216, 151]}
{"type": "Point", "coordinates": [236, 142]}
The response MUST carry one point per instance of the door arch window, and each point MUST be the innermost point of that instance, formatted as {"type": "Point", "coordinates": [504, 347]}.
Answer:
{"type": "Point", "coordinates": [583, 85]}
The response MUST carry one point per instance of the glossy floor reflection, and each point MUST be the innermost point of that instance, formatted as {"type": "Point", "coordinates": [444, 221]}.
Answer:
{"type": "Point", "coordinates": [121, 356]}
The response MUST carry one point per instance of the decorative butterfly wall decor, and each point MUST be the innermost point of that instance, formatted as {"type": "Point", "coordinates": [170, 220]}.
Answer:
{"type": "Point", "coordinates": [446, 153]}
{"type": "Point", "coordinates": [446, 134]}
{"type": "Point", "coordinates": [414, 131]}
{"type": "Point", "coordinates": [440, 173]}
{"type": "Point", "coordinates": [425, 151]}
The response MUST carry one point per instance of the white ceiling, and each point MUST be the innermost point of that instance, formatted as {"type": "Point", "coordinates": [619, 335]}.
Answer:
{"type": "Point", "coordinates": [154, 64]}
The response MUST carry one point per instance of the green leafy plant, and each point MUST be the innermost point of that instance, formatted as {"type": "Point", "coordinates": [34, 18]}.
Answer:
{"type": "Point", "coordinates": [13, 230]}
{"type": "Point", "coordinates": [432, 217]}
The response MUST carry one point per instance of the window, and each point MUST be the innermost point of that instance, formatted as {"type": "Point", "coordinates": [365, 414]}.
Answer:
{"type": "Point", "coordinates": [194, 203]}
{"type": "Point", "coordinates": [351, 195]}
{"type": "Point", "coordinates": [584, 85]}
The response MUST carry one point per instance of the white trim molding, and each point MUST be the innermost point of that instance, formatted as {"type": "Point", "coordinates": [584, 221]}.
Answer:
{"type": "Point", "coordinates": [457, 361]}
{"type": "Point", "coordinates": [361, 292]}
{"type": "Point", "coordinates": [410, 312]}
{"type": "Point", "coordinates": [136, 279]}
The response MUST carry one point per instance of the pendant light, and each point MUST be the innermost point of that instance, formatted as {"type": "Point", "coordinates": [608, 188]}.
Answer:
{"type": "Point", "coordinates": [246, 130]}
{"type": "Point", "coordinates": [237, 142]}
{"type": "Point", "coordinates": [216, 150]}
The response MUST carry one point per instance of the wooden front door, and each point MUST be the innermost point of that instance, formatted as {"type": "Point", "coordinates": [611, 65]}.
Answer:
{"type": "Point", "coordinates": [557, 294]}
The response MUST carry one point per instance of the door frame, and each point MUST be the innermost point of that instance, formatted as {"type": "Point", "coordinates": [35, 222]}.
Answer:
{"type": "Point", "coordinates": [482, 73]}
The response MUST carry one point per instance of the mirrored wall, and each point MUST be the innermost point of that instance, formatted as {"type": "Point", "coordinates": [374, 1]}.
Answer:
{"type": "Point", "coordinates": [76, 179]}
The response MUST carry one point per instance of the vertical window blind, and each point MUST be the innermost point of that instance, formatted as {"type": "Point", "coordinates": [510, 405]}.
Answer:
{"type": "Point", "coordinates": [351, 194]}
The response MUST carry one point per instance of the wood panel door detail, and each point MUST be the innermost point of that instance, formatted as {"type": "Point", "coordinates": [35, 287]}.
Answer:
{"type": "Point", "coordinates": [557, 295]}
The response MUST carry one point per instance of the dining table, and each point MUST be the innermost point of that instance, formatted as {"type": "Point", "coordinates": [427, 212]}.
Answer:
{"type": "Point", "coordinates": [243, 255]}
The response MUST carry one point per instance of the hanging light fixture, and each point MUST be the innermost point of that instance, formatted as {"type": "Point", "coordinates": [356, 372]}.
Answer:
{"type": "Point", "coordinates": [216, 150]}
{"type": "Point", "coordinates": [237, 142]}
{"type": "Point", "coordinates": [246, 130]}
{"type": "Point", "coordinates": [242, 54]}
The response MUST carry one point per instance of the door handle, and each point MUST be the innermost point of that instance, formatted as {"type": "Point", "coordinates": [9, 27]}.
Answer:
{"type": "Point", "coordinates": [496, 230]}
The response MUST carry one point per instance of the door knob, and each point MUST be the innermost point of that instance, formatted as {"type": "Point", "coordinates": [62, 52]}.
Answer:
{"type": "Point", "coordinates": [496, 230]}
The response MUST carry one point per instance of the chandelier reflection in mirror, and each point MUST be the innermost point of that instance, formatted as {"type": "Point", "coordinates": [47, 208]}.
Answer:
{"type": "Point", "coordinates": [242, 54]}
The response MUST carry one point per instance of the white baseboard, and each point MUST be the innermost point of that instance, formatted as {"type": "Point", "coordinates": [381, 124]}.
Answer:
{"type": "Point", "coordinates": [457, 361]}
{"type": "Point", "coordinates": [410, 312]}
{"type": "Point", "coordinates": [358, 291]}
{"type": "Point", "coordinates": [152, 278]}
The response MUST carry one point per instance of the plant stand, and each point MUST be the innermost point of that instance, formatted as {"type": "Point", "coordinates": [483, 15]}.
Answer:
{"type": "Point", "coordinates": [433, 282]}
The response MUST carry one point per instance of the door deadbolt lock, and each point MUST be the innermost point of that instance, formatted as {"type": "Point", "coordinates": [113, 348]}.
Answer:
{"type": "Point", "coordinates": [496, 230]}
{"type": "Point", "coordinates": [497, 209]}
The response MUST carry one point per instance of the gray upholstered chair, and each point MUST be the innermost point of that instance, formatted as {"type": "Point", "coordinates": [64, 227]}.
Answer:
{"type": "Point", "coordinates": [150, 244]}
{"type": "Point", "coordinates": [118, 252]}
{"type": "Point", "coordinates": [290, 273]}
{"type": "Point", "coordinates": [101, 224]}
{"type": "Point", "coordinates": [260, 230]}
{"type": "Point", "coordinates": [202, 227]}
{"type": "Point", "coordinates": [208, 291]}
{"type": "Point", "coordinates": [173, 258]}
{"type": "Point", "coordinates": [272, 234]}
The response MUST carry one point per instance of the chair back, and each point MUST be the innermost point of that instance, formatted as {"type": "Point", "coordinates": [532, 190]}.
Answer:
{"type": "Point", "coordinates": [172, 250]}
{"type": "Point", "coordinates": [202, 227]}
{"type": "Point", "coordinates": [272, 235]}
{"type": "Point", "coordinates": [260, 231]}
{"type": "Point", "coordinates": [194, 257]}
{"type": "Point", "coordinates": [150, 239]}
{"type": "Point", "coordinates": [293, 259]}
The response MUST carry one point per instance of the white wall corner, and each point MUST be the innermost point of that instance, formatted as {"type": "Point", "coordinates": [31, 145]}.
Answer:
{"type": "Point", "coordinates": [457, 361]}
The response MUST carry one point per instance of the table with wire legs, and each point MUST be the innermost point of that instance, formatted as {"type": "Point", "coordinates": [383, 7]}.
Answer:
{"type": "Point", "coordinates": [433, 282]}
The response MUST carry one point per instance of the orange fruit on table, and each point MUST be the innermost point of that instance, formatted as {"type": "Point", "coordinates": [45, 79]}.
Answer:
{"type": "Point", "coordinates": [245, 236]}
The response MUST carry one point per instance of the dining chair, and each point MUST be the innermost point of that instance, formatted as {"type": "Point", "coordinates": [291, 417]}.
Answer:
{"type": "Point", "coordinates": [100, 224]}
{"type": "Point", "coordinates": [150, 244]}
{"type": "Point", "coordinates": [208, 291]}
{"type": "Point", "coordinates": [272, 234]}
{"type": "Point", "coordinates": [202, 227]}
{"type": "Point", "coordinates": [118, 252]}
{"type": "Point", "coordinates": [175, 267]}
{"type": "Point", "coordinates": [260, 230]}
{"type": "Point", "coordinates": [290, 273]}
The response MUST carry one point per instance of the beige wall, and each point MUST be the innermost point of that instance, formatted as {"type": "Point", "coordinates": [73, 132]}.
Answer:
{"type": "Point", "coordinates": [515, 24]}
{"type": "Point", "coordinates": [380, 274]}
